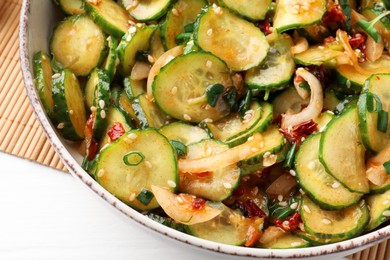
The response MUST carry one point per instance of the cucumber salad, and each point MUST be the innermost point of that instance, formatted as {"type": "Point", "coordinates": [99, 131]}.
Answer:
{"type": "Point", "coordinates": [251, 123]}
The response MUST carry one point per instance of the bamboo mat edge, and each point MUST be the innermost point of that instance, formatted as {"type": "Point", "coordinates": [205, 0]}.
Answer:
{"type": "Point", "coordinates": [21, 134]}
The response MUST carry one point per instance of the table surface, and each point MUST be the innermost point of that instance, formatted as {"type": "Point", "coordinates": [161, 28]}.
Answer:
{"type": "Point", "coordinates": [47, 214]}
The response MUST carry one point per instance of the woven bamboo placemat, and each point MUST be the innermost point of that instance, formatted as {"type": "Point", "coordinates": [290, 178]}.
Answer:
{"type": "Point", "coordinates": [20, 132]}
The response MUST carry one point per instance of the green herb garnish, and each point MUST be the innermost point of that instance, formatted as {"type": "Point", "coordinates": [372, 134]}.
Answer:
{"type": "Point", "coordinates": [133, 158]}
{"type": "Point", "coordinates": [145, 196]}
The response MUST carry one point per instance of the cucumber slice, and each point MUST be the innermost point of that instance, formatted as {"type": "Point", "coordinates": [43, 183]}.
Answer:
{"type": "Point", "coordinates": [254, 10]}
{"type": "Point", "coordinates": [134, 88]}
{"type": "Point", "coordinates": [136, 39]}
{"type": "Point", "coordinates": [183, 12]}
{"type": "Point", "coordinates": [260, 127]}
{"type": "Point", "coordinates": [315, 240]}
{"type": "Point", "coordinates": [148, 113]}
{"type": "Point", "coordinates": [183, 132]}
{"type": "Point", "coordinates": [230, 227]}
{"type": "Point", "coordinates": [288, 240]}
{"type": "Point", "coordinates": [273, 142]}
{"type": "Point", "coordinates": [231, 38]}
{"type": "Point", "coordinates": [379, 205]}
{"type": "Point", "coordinates": [374, 189]}
{"type": "Point", "coordinates": [318, 55]}
{"type": "Point", "coordinates": [97, 95]}
{"type": "Point", "coordinates": [183, 82]}
{"type": "Point", "coordinates": [69, 111]}
{"type": "Point", "coordinates": [109, 15]}
{"type": "Point", "coordinates": [276, 69]}
{"type": "Point", "coordinates": [383, 25]}
{"type": "Point", "coordinates": [320, 186]}
{"type": "Point", "coordinates": [43, 80]}
{"type": "Point", "coordinates": [78, 44]}
{"type": "Point", "coordinates": [147, 10]}
{"type": "Point", "coordinates": [323, 119]}
{"type": "Point", "coordinates": [294, 14]}
{"type": "Point", "coordinates": [234, 125]}
{"type": "Point", "coordinates": [374, 139]}
{"type": "Point", "coordinates": [127, 182]}
{"type": "Point", "coordinates": [156, 45]}
{"type": "Point", "coordinates": [215, 186]}
{"type": "Point", "coordinates": [342, 151]}
{"type": "Point", "coordinates": [166, 221]}
{"type": "Point", "coordinates": [125, 105]}
{"type": "Point", "coordinates": [111, 62]}
{"type": "Point", "coordinates": [344, 223]}
{"type": "Point", "coordinates": [348, 76]}
{"type": "Point", "coordinates": [71, 7]}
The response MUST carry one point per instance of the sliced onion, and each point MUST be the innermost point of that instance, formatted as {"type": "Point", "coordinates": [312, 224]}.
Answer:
{"type": "Point", "coordinates": [282, 186]}
{"type": "Point", "coordinates": [313, 110]}
{"type": "Point", "coordinates": [271, 234]}
{"type": "Point", "coordinates": [374, 49]}
{"type": "Point", "coordinates": [375, 171]}
{"type": "Point", "coordinates": [223, 159]}
{"type": "Point", "coordinates": [161, 62]}
{"type": "Point", "coordinates": [301, 45]}
{"type": "Point", "coordinates": [140, 70]}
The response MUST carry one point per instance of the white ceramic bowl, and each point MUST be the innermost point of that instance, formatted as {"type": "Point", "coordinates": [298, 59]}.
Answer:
{"type": "Point", "coordinates": [38, 17]}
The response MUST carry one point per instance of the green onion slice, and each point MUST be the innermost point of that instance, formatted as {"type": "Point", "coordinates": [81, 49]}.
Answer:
{"type": "Point", "coordinates": [145, 196]}
{"type": "Point", "coordinates": [133, 158]}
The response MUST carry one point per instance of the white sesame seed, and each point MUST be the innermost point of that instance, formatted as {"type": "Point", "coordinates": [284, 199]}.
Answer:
{"type": "Point", "coordinates": [386, 213]}
{"type": "Point", "coordinates": [326, 221]}
{"type": "Point", "coordinates": [174, 90]}
{"type": "Point", "coordinates": [385, 202]}
{"type": "Point", "coordinates": [132, 197]}
{"type": "Point", "coordinates": [132, 136]}
{"type": "Point", "coordinates": [61, 125]}
{"type": "Point", "coordinates": [71, 112]}
{"type": "Point", "coordinates": [56, 75]}
{"type": "Point", "coordinates": [128, 178]}
{"type": "Point", "coordinates": [102, 114]}
{"type": "Point", "coordinates": [132, 30]}
{"type": "Point", "coordinates": [207, 107]}
{"type": "Point", "coordinates": [208, 120]}
{"type": "Point", "coordinates": [292, 172]}
{"type": "Point", "coordinates": [135, 3]}
{"type": "Point", "coordinates": [266, 155]}
{"type": "Point", "coordinates": [302, 192]}
{"type": "Point", "coordinates": [150, 59]}
{"type": "Point", "coordinates": [321, 47]}
{"type": "Point", "coordinates": [101, 172]}
{"type": "Point", "coordinates": [171, 183]}
{"type": "Point", "coordinates": [209, 64]}
{"type": "Point", "coordinates": [261, 144]}
{"type": "Point", "coordinates": [187, 117]}
{"type": "Point", "coordinates": [148, 164]}
{"type": "Point", "coordinates": [296, 243]}
{"type": "Point", "coordinates": [209, 151]}
{"type": "Point", "coordinates": [348, 83]}
{"type": "Point", "coordinates": [280, 197]}
{"type": "Point", "coordinates": [210, 32]}
{"type": "Point", "coordinates": [306, 208]}
{"type": "Point", "coordinates": [335, 185]}
{"type": "Point", "coordinates": [255, 149]}
{"type": "Point", "coordinates": [102, 103]}
{"type": "Point", "coordinates": [93, 109]}
{"type": "Point", "coordinates": [294, 205]}
{"type": "Point", "coordinates": [283, 203]}
{"type": "Point", "coordinates": [285, 223]}
{"type": "Point", "coordinates": [312, 165]}
{"type": "Point", "coordinates": [227, 185]}
{"type": "Point", "coordinates": [180, 200]}
{"type": "Point", "coordinates": [175, 12]}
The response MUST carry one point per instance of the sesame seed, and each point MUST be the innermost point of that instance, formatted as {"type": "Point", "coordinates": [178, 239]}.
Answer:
{"type": "Point", "coordinates": [292, 172]}
{"type": "Point", "coordinates": [104, 146]}
{"type": "Point", "coordinates": [302, 192]}
{"type": "Point", "coordinates": [93, 109]}
{"type": "Point", "coordinates": [101, 172]}
{"type": "Point", "coordinates": [175, 12]}
{"type": "Point", "coordinates": [348, 83]}
{"type": "Point", "coordinates": [180, 200]}
{"type": "Point", "coordinates": [139, 25]}
{"type": "Point", "coordinates": [261, 144]}
{"type": "Point", "coordinates": [311, 165]}
{"type": "Point", "coordinates": [132, 30]}
{"type": "Point", "coordinates": [280, 197]}
{"type": "Point", "coordinates": [326, 221]}
{"type": "Point", "coordinates": [251, 138]}
{"type": "Point", "coordinates": [306, 208]}
{"type": "Point", "coordinates": [171, 183]}
{"type": "Point", "coordinates": [227, 185]}
{"type": "Point", "coordinates": [150, 59]}
{"type": "Point", "coordinates": [283, 203]}
{"type": "Point", "coordinates": [128, 140]}
{"type": "Point", "coordinates": [255, 149]}
{"type": "Point", "coordinates": [295, 243]}
{"type": "Point", "coordinates": [210, 32]}
{"type": "Point", "coordinates": [385, 202]}
{"type": "Point", "coordinates": [61, 125]}
{"type": "Point", "coordinates": [132, 197]}
{"type": "Point", "coordinates": [207, 107]}
{"type": "Point", "coordinates": [71, 112]}
{"type": "Point", "coordinates": [128, 178]}
{"type": "Point", "coordinates": [294, 205]}
{"type": "Point", "coordinates": [285, 223]}
{"type": "Point", "coordinates": [209, 151]}
{"type": "Point", "coordinates": [56, 75]}
{"type": "Point", "coordinates": [187, 117]}
{"type": "Point", "coordinates": [386, 213]}
{"type": "Point", "coordinates": [218, 11]}
{"type": "Point", "coordinates": [132, 136]}
{"type": "Point", "coordinates": [321, 47]}
{"type": "Point", "coordinates": [266, 155]}
{"type": "Point", "coordinates": [335, 185]}
{"type": "Point", "coordinates": [174, 90]}
{"type": "Point", "coordinates": [209, 64]}
{"type": "Point", "coordinates": [135, 3]}
{"type": "Point", "coordinates": [102, 103]}
{"type": "Point", "coordinates": [102, 114]}
{"type": "Point", "coordinates": [148, 164]}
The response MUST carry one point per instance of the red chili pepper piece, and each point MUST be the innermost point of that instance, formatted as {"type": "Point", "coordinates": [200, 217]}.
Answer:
{"type": "Point", "coordinates": [300, 131]}
{"type": "Point", "coordinates": [252, 210]}
{"type": "Point", "coordinates": [90, 143]}
{"type": "Point", "coordinates": [116, 131]}
{"type": "Point", "coordinates": [334, 14]}
{"type": "Point", "coordinates": [291, 223]}
{"type": "Point", "coordinates": [198, 203]}
{"type": "Point", "coordinates": [265, 26]}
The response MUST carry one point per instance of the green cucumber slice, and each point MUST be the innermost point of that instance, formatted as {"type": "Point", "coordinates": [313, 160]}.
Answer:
{"type": "Point", "coordinates": [320, 186]}
{"type": "Point", "coordinates": [183, 82]}
{"type": "Point", "coordinates": [374, 189]}
{"type": "Point", "coordinates": [318, 55]}
{"type": "Point", "coordinates": [71, 7]}
{"type": "Point", "coordinates": [43, 80]}
{"type": "Point", "coordinates": [231, 38]}
{"type": "Point", "coordinates": [69, 111]}
{"type": "Point", "coordinates": [383, 25]}
{"type": "Point", "coordinates": [134, 88]}
{"type": "Point", "coordinates": [183, 132]}
{"type": "Point", "coordinates": [183, 12]}
{"type": "Point", "coordinates": [276, 69]}
{"type": "Point", "coordinates": [111, 62]}
{"type": "Point", "coordinates": [147, 10]}
{"type": "Point", "coordinates": [148, 113]}
{"type": "Point", "coordinates": [254, 10]}
{"type": "Point", "coordinates": [109, 15]}
{"type": "Point", "coordinates": [136, 39]}
{"type": "Point", "coordinates": [342, 151]}
{"type": "Point", "coordinates": [78, 44]}
{"type": "Point", "coordinates": [315, 240]}
{"type": "Point", "coordinates": [374, 139]}
{"type": "Point", "coordinates": [333, 224]}
{"type": "Point", "coordinates": [156, 45]}
{"type": "Point", "coordinates": [215, 186]}
{"type": "Point", "coordinates": [379, 205]}
{"type": "Point", "coordinates": [126, 182]}
{"type": "Point", "coordinates": [288, 240]}
{"type": "Point", "coordinates": [294, 14]}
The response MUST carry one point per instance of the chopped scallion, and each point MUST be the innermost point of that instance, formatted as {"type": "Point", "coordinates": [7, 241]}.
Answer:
{"type": "Point", "coordinates": [230, 97]}
{"type": "Point", "coordinates": [383, 121]}
{"type": "Point", "coordinates": [288, 163]}
{"type": "Point", "coordinates": [213, 92]}
{"type": "Point", "coordinates": [181, 149]}
{"type": "Point", "coordinates": [371, 105]}
{"type": "Point", "coordinates": [133, 158]}
{"type": "Point", "coordinates": [145, 196]}
{"type": "Point", "coordinates": [244, 106]}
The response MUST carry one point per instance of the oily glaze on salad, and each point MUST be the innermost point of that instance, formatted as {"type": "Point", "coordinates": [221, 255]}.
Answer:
{"type": "Point", "coordinates": [251, 123]}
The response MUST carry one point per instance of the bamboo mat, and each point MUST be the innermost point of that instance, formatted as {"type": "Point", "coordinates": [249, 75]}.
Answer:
{"type": "Point", "coordinates": [20, 132]}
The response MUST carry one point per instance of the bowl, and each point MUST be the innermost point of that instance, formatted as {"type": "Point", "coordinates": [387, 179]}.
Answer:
{"type": "Point", "coordinates": [37, 20]}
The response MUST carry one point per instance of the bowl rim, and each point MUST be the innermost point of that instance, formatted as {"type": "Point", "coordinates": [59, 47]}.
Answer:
{"type": "Point", "coordinates": [76, 170]}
